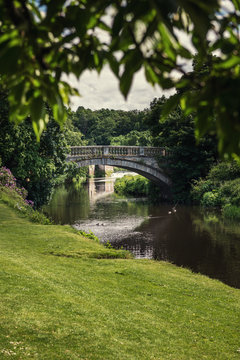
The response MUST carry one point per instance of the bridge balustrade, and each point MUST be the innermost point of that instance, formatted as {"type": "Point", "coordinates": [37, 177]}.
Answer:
{"type": "Point", "coordinates": [108, 151]}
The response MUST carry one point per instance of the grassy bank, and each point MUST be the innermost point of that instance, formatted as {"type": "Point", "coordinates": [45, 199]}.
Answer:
{"type": "Point", "coordinates": [63, 296]}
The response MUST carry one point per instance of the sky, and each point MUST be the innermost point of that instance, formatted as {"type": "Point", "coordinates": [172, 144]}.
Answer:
{"type": "Point", "coordinates": [102, 91]}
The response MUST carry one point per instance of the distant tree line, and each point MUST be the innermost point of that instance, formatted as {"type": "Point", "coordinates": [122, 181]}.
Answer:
{"type": "Point", "coordinates": [105, 127]}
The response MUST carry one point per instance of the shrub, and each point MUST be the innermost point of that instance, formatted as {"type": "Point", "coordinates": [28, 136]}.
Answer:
{"type": "Point", "coordinates": [9, 181]}
{"type": "Point", "coordinates": [89, 235]}
{"type": "Point", "coordinates": [231, 212]}
{"type": "Point", "coordinates": [224, 171]}
{"type": "Point", "coordinates": [14, 200]}
{"type": "Point", "coordinates": [222, 186]}
{"type": "Point", "coordinates": [199, 188]}
{"type": "Point", "coordinates": [210, 199]}
{"type": "Point", "coordinates": [37, 217]}
{"type": "Point", "coordinates": [132, 185]}
{"type": "Point", "coordinates": [230, 192]}
{"type": "Point", "coordinates": [15, 197]}
{"type": "Point", "coordinates": [6, 178]}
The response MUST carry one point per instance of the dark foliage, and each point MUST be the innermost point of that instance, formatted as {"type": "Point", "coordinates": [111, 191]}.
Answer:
{"type": "Point", "coordinates": [187, 159]}
{"type": "Point", "coordinates": [35, 165]}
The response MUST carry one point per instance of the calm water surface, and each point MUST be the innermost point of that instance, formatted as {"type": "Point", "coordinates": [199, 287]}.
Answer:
{"type": "Point", "coordinates": [201, 241]}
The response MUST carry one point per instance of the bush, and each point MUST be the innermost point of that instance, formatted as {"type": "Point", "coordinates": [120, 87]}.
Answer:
{"type": "Point", "coordinates": [10, 197]}
{"type": "Point", "coordinates": [89, 235]}
{"type": "Point", "coordinates": [37, 217]}
{"type": "Point", "coordinates": [199, 188]}
{"type": "Point", "coordinates": [132, 185]}
{"type": "Point", "coordinates": [210, 199]}
{"type": "Point", "coordinates": [9, 181]}
{"type": "Point", "coordinates": [230, 192]}
{"type": "Point", "coordinates": [224, 171]}
{"type": "Point", "coordinates": [15, 197]}
{"type": "Point", "coordinates": [231, 212]}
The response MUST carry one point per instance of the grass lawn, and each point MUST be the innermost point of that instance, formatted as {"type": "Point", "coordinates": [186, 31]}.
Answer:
{"type": "Point", "coordinates": [63, 296]}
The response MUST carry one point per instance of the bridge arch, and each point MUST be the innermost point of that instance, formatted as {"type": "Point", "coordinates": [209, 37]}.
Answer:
{"type": "Point", "coordinates": [141, 160]}
{"type": "Point", "coordinates": [148, 172]}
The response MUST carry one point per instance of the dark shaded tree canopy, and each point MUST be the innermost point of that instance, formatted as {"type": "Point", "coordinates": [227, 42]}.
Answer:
{"type": "Point", "coordinates": [187, 159]}
{"type": "Point", "coordinates": [36, 165]}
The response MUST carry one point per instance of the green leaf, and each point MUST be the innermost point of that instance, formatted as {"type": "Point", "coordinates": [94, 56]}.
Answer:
{"type": "Point", "coordinates": [150, 74]}
{"type": "Point", "coordinates": [117, 24]}
{"type": "Point", "coordinates": [38, 127]}
{"type": "Point", "coordinates": [114, 64]}
{"type": "Point", "coordinates": [229, 63]}
{"type": "Point", "coordinates": [126, 82]}
{"type": "Point", "coordinates": [37, 108]}
{"type": "Point", "coordinates": [9, 60]}
{"type": "Point", "coordinates": [236, 3]}
{"type": "Point", "coordinates": [168, 43]}
{"type": "Point", "coordinates": [170, 105]}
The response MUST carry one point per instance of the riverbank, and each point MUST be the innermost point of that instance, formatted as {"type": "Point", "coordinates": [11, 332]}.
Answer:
{"type": "Point", "coordinates": [61, 299]}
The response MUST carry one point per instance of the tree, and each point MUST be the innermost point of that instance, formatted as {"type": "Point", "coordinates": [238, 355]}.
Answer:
{"type": "Point", "coordinates": [73, 136]}
{"type": "Point", "coordinates": [101, 126]}
{"type": "Point", "coordinates": [42, 40]}
{"type": "Point", "coordinates": [35, 165]}
{"type": "Point", "coordinates": [133, 138]}
{"type": "Point", "coordinates": [187, 160]}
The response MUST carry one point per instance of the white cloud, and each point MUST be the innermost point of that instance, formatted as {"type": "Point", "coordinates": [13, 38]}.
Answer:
{"type": "Point", "coordinates": [102, 91]}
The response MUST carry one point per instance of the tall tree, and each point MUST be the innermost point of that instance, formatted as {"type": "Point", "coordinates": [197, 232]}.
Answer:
{"type": "Point", "coordinates": [187, 159]}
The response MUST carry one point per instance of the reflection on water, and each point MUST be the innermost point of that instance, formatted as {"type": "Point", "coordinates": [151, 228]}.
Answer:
{"type": "Point", "coordinates": [98, 188]}
{"type": "Point", "coordinates": [200, 241]}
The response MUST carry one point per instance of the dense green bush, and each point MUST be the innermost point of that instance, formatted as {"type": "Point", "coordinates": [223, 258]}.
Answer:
{"type": "Point", "coordinates": [16, 200]}
{"type": "Point", "coordinates": [231, 212]}
{"type": "Point", "coordinates": [224, 171]}
{"type": "Point", "coordinates": [199, 188]}
{"type": "Point", "coordinates": [132, 185]}
{"type": "Point", "coordinates": [221, 188]}
{"type": "Point", "coordinates": [9, 181]}
{"type": "Point", "coordinates": [210, 199]}
{"type": "Point", "coordinates": [229, 192]}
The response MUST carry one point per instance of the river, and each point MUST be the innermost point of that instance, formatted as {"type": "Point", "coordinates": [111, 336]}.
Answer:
{"type": "Point", "coordinates": [190, 237]}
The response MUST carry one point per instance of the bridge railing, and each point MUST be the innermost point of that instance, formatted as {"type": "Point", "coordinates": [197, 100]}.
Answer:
{"type": "Point", "coordinates": [108, 151]}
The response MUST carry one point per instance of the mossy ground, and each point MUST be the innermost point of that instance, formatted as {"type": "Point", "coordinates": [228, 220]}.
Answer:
{"type": "Point", "coordinates": [62, 298]}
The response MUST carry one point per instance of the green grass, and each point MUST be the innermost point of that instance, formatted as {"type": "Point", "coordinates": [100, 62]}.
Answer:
{"type": "Point", "coordinates": [60, 298]}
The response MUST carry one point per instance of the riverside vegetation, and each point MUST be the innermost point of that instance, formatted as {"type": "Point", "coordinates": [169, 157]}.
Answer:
{"type": "Point", "coordinates": [220, 189]}
{"type": "Point", "coordinates": [65, 296]}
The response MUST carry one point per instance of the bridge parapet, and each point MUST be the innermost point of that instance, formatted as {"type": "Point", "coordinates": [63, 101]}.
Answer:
{"type": "Point", "coordinates": [109, 151]}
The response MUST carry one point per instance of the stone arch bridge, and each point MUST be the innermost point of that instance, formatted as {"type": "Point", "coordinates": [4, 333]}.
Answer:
{"type": "Point", "coordinates": [140, 159]}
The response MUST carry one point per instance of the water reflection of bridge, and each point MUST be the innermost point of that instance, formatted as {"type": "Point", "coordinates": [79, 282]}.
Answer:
{"type": "Point", "coordinates": [99, 188]}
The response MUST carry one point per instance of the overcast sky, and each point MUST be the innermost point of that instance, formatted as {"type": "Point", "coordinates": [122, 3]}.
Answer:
{"type": "Point", "coordinates": [102, 91]}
